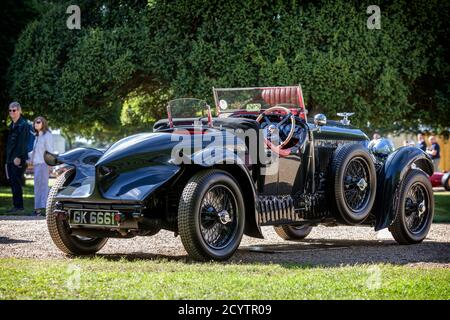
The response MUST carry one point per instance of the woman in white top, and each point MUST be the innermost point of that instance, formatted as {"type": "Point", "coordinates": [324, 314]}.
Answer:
{"type": "Point", "coordinates": [42, 143]}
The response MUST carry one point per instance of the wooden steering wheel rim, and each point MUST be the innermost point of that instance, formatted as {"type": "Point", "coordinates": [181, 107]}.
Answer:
{"type": "Point", "coordinates": [291, 133]}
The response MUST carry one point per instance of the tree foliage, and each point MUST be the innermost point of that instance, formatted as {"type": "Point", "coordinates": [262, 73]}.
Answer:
{"type": "Point", "coordinates": [116, 73]}
{"type": "Point", "coordinates": [16, 14]}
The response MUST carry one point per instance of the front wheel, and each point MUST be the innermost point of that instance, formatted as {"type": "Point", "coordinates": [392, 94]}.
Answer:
{"type": "Point", "coordinates": [211, 216]}
{"type": "Point", "coordinates": [353, 183]}
{"type": "Point", "coordinates": [414, 209]}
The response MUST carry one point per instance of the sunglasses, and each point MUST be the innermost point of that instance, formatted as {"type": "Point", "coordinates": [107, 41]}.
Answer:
{"type": "Point", "coordinates": [12, 110]}
{"type": "Point", "coordinates": [38, 122]}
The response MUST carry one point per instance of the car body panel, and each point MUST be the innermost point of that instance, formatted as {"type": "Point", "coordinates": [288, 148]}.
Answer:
{"type": "Point", "coordinates": [397, 165]}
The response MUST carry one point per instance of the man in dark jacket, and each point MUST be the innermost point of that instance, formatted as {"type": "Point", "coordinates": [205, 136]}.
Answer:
{"type": "Point", "coordinates": [421, 144]}
{"type": "Point", "coordinates": [16, 154]}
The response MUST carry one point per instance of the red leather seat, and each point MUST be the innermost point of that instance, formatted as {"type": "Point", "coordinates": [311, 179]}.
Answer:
{"type": "Point", "coordinates": [274, 96]}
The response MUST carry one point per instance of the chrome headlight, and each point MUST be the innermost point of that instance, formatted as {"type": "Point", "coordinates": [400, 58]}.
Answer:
{"type": "Point", "coordinates": [381, 148]}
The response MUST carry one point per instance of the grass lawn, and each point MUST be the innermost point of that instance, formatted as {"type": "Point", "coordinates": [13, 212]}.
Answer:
{"type": "Point", "coordinates": [98, 278]}
{"type": "Point", "coordinates": [442, 207]}
{"type": "Point", "coordinates": [28, 197]}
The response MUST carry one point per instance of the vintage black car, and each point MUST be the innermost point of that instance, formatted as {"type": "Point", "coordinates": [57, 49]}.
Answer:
{"type": "Point", "coordinates": [211, 176]}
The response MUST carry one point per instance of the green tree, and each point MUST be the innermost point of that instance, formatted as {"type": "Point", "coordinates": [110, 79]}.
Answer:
{"type": "Point", "coordinates": [15, 16]}
{"type": "Point", "coordinates": [114, 76]}
{"type": "Point", "coordinates": [398, 73]}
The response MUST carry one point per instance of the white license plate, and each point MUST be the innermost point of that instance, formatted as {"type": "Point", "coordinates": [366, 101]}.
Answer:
{"type": "Point", "coordinates": [93, 217]}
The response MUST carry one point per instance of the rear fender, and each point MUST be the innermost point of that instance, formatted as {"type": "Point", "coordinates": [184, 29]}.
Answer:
{"type": "Point", "coordinates": [83, 161]}
{"type": "Point", "coordinates": [75, 157]}
{"type": "Point", "coordinates": [130, 179]}
{"type": "Point", "coordinates": [234, 165]}
{"type": "Point", "coordinates": [394, 170]}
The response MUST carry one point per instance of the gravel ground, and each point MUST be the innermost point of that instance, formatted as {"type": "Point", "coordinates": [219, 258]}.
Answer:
{"type": "Point", "coordinates": [27, 237]}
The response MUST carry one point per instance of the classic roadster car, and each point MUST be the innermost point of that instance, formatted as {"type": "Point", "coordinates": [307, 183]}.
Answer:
{"type": "Point", "coordinates": [441, 179]}
{"type": "Point", "coordinates": [255, 160]}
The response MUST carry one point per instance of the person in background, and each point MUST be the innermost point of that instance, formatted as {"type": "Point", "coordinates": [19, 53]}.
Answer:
{"type": "Point", "coordinates": [42, 143]}
{"type": "Point", "coordinates": [435, 152]}
{"type": "Point", "coordinates": [16, 154]}
{"type": "Point", "coordinates": [376, 136]}
{"type": "Point", "coordinates": [421, 144]}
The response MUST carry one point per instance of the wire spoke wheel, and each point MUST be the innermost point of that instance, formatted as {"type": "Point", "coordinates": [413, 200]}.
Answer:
{"type": "Point", "coordinates": [356, 187]}
{"type": "Point", "coordinates": [353, 183]}
{"type": "Point", "coordinates": [211, 215]}
{"type": "Point", "coordinates": [218, 221]}
{"type": "Point", "coordinates": [416, 208]}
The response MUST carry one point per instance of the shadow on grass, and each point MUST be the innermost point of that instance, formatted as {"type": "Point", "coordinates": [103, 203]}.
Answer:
{"type": "Point", "coordinates": [337, 252]}
{"type": "Point", "coordinates": [317, 253]}
{"type": "Point", "coordinates": [138, 256]}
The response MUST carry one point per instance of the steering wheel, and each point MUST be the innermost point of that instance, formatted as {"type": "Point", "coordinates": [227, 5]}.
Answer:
{"type": "Point", "coordinates": [288, 116]}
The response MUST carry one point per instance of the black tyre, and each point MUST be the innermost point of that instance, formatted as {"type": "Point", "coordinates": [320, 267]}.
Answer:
{"type": "Point", "coordinates": [288, 232]}
{"type": "Point", "coordinates": [446, 181]}
{"type": "Point", "coordinates": [353, 183]}
{"type": "Point", "coordinates": [414, 209]}
{"type": "Point", "coordinates": [211, 216]}
{"type": "Point", "coordinates": [59, 228]}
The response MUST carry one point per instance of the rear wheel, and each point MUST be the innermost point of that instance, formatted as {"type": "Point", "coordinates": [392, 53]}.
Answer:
{"type": "Point", "coordinates": [288, 232]}
{"type": "Point", "coordinates": [211, 216]}
{"type": "Point", "coordinates": [59, 228]}
{"type": "Point", "coordinates": [414, 208]}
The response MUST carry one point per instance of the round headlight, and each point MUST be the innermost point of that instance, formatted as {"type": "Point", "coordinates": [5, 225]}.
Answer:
{"type": "Point", "coordinates": [381, 148]}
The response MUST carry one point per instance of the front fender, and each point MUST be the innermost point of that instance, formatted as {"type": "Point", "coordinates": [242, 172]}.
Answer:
{"type": "Point", "coordinates": [390, 175]}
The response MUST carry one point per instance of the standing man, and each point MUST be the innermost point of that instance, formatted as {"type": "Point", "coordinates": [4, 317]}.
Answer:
{"type": "Point", "coordinates": [16, 154]}
{"type": "Point", "coordinates": [421, 144]}
{"type": "Point", "coordinates": [435, 152]}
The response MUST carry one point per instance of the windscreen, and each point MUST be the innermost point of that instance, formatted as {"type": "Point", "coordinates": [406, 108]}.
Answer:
{"type": "Point", "coordinates": [188, 108]}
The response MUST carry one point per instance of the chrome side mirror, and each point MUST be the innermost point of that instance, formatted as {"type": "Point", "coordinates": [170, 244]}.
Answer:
{"type": "Point", "coordinates": [320, 120]}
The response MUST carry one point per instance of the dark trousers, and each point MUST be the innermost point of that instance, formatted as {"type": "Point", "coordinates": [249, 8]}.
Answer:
{"type": "Point", "coordinates": [15, 174]}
